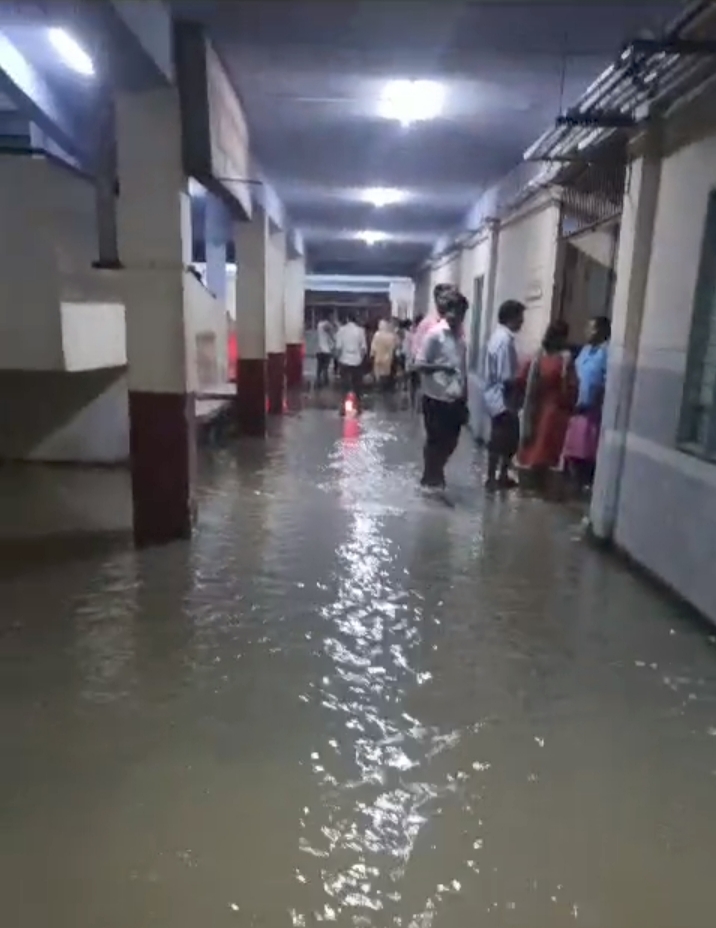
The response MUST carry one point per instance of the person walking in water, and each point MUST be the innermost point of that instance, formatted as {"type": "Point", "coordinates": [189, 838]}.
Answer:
{"type": "Point", "coordinates": [382, 353]}
{"type": "Point", "coordinates": [351, 351]}
{"type": "Point", "coordinates": [549, 385]}
{"type": "Point", "coordinates": [501, 395]}
{"type": "Point", "coordinates": [324, 353]}
{"type": "Point", "coordinates": [442, 364]}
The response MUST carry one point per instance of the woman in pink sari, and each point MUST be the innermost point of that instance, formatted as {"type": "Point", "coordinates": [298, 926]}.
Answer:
{"type": "Point", "coordinates": [582, 439]}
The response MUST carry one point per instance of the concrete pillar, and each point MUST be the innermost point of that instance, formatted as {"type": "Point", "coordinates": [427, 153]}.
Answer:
{"type": "Point", "coordinates": [294, 297]}
{"type": "Point", "coordinates": [215, 242]}
{"type": "Point", "coordinates": [251, 239]}
{"type": "Point", "coordinates": [106, 182]}
{"type": "Point", "coordinates": [633, 262]}
{"type": "Point", "coordinates": [154, 230]}
{"type": "Point", "coordinates": [276, 323]}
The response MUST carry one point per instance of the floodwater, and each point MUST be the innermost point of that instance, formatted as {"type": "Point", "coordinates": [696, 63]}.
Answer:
{"type": "Point", "coordinates": [345, 704]}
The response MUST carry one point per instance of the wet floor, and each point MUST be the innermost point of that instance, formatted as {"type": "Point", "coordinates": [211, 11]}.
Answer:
{"type": "Point", "coordinates": [344, 703]}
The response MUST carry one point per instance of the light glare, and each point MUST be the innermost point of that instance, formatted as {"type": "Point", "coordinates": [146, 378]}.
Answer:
{"type": "Point", "coordinates": [371, 236]}
{"type": "Point", "coordinates": [382, 196]}
{"type": "Point", "coordinates": [411, 101]}
{"type": "Point", "coordinates": [71, 51]}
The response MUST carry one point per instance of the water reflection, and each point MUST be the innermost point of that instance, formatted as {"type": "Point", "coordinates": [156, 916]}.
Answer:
{"type": "Point", "coordinates": [344, 703]}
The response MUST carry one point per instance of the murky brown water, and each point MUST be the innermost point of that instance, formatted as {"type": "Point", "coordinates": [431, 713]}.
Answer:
{"type": "Point", "coordinates": [346, 704]}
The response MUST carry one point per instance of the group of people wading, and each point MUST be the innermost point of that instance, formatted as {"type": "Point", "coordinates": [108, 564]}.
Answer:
{"type": "Point", "coordinates": [544, 411]}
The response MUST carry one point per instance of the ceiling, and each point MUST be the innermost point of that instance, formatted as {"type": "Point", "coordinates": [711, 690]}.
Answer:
{"type": "Point", "coordinates": [310, 77]}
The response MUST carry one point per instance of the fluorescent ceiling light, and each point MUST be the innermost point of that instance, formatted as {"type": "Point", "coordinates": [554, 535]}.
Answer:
{"type": "Point", "coordinates": [370, 236]}
{"type": "Point", "coordinates": [71, 51]}
{"type": "Point", "coordinates": [383, 196]}
{"type": "Point", "coordinates": [411, 101]}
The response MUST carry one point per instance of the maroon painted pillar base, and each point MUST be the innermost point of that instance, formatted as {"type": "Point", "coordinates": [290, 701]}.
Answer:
{"type": "Point", "coordinates": [294, 366]}
{"type": "Point", "coordinates": [251, 397]}
{"type": "Point", "coordinates": [276, 365]}
{"type": "Point", "coordinates": [162, 447]}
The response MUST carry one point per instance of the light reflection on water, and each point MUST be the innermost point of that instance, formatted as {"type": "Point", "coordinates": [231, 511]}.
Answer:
{"type": "Point", "coordinates": [345, 704]}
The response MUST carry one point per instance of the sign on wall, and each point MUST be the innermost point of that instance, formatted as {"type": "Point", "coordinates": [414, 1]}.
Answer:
{"type": "Point", "coordinates": [215, 137]}
{"type": "Point", "coordinates": [230, 159]}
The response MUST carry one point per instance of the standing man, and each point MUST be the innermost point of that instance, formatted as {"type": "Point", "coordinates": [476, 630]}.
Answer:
{"type": "Point", "coordinates": [441, 361]}
{"type": "Point", "coordinates": [501, 395]}
{"type": "Point", "coordinates": [432, 317]}
{"type": "Point", "coordinates": [324, 352]}
{"type": "Point", "coordinates": [351, 351]}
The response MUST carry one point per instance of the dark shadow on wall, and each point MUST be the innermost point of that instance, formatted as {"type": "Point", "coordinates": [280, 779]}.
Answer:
{"type": "Point", "coordinates": [36, 405]}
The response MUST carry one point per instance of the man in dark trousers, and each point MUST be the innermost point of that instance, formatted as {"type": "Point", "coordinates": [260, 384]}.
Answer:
{"type": "Point", "coordinates": [441, 361]}
{"type": "Point", "coordinates": [501, 396]}
{"type": "Point", "coordinates": [351, 351]}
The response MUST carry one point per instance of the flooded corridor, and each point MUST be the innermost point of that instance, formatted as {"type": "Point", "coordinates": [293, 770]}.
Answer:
{"type": "Point", "coordinates": [345, 704]}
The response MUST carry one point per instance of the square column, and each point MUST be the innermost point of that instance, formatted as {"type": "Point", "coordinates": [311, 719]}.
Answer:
{"type": "Point", "coordinates": [215, 242]}
{"type": "Point", "coordinates": [633, 262]}
{"type": "Point", "coordinates": [154, 232]}
{"type": "Point", "coordinates": [251, 242]}
{"type": "Point", "coordinates": [275, 322]}
{"type": "Point", "coordinates": [294, 299]}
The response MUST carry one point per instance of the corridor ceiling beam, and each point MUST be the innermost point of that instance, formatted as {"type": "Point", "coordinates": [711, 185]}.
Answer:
{"type": "Point", "coordinates": [136, 37]}
{"type": "Point", "coordinates": [31, 93]}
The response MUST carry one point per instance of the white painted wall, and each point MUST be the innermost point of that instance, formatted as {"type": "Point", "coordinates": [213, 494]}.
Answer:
{"type": "Point", "coordinates": [206, 335]}
{"type": "Point", "coordinates": [667, 506]}
{"type": "Point", "coordinates": [526, 265]}
{"type": "Point", "coordinates": [61, 503]}
{"type": "Point", "coordinates": [250, 286]}
{"type": "Point", "coordinates": [294, 299]}
{"type": "Point", "coordinates": [94, 335]}
{"type": "Point", "coordinates": [30, 325]}
{"type": "Point", "coordinates": [445, 271]}
{"type": "Point", "coordinates": [54, 307]}
{"type": "Point", "coordinates": [98, 433]}
{"type": "Point", "coordinates": [275, 293]}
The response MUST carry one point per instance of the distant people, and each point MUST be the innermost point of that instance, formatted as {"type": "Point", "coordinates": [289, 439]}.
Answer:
{"type": "Point", "coordinates": [410, 355]}
{"type": "Point", "coordinates": [582, 439]}
{"type": "Point", "coordinates": [442, 364]}
{"type": "Point", "coordinates": [382, 353]}
{"type": "Point", "coordinates": [501, 395]}
{"type": "Point", "coordinates": [325, 351]}
{"type": "Point", "coordinates": [549, 386]}
{"type": "Point", "coordinates": [351, 352]}
{"type": "Point", "coordinates": [401, 360]}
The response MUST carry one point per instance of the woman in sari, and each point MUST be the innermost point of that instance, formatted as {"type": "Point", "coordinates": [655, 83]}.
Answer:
{"type": "Point", "coordinates": [549, 382]}
{"type": "Point", "coordinates": [582, 440]}
{"type": "Point", "coordinates": [382, 352]}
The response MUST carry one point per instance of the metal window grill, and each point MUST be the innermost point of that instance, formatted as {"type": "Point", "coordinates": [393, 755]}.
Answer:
{"type": "Point", "coordinates": [593, 190]}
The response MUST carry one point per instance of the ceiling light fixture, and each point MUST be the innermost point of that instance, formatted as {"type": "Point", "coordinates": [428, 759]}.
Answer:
{"type": "Point", "coordinates": [383, 196]}
{"type": "Point", "coordinates": [411, 101]}
{"type": "Point", "coordinates": [371, 237]}
{"type": "Point", "coordinates": [71, 51]}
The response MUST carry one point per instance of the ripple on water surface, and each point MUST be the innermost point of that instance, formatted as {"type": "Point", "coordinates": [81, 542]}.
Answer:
{"type": "Point", "coordinates": [343, 703]}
